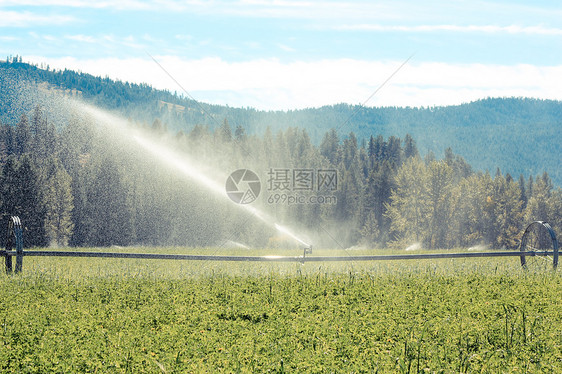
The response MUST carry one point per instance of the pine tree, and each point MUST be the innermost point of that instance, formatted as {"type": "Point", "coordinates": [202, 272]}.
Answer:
{"type": "Point", "coordinates": [409, 208]}
{"type": "Point", "coordinates": [58, 201]}
{"type": "Point", "coordinates": [468, 198]}
{"type": "Point", "coordinates": [461, 169]}
{"type": "Point", "coordinates": [76, 152]}
{"type": "Point", "coordinates": [522, 191]}
{"type": "Point", "coordinates": [330, 147]}
{"type": "Point", "coordinates": [225, 132]}
{"type": "Point", "coordinates": [377, 149]}
{"type": "Point", "coordinates": [507, 212]}
{"type": "Point", "coordinates": [487, 222]}
{"type": "Point", "coordinates": [348, 208]}
{"type": "Point", "coordinates": [440, 197]}
{"type": "Point", "coordinates": [429, 157]}
{"type": "Point", "coordinates": [376, 195]}
{"type": "Point", "coordinates": [107, 208]}
{"type": "Point", "coordinates": [303, 150]}
{"type": "Point", "coordinates": [394, 152]}
{"type": "Point", "coordinates": [10, 190]}
{"type": "Point", "coordinates": [555, 214]}
{"type": "Point", "coordinates": [281, 148]}
{"type": "Point", "coordinates": [240, 134]}
{"type": "Point", "coordinates": [410, 148]}
{"type": "Point", "coordinates": [370, 230]}
{"type": "Point", "coordinates": [35, 127]}
{"type": "Point", "coordinates": [7, 142]}
{"type": "Point", "coordinates": [268, 150]}
{"type": "Point", "coordinates": [22, 136]}
{"type": "Point", "coordinates": [530, 187]}
{"type": "Point", "coordinates": [80, 219]}
{"type": "Point", "coordinates": [22, 197]}
{"type": "Point", "coordinates": [537, 206]}
{"type": "Point", "coordinates": [350, 151]}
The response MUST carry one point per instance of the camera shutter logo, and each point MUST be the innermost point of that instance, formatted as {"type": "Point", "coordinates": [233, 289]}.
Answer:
{"type": "Point", "coordinates": [243, 186]}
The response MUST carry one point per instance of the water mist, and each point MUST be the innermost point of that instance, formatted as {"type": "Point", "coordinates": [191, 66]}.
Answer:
{"type": "Point", "coordinates": [183, 164]}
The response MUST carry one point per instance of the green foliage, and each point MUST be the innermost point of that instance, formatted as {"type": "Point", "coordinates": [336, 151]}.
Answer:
{"type": "Point", "coordinates": [58, 200]}
{"type": "Point", "coordinates": [107, 206]}
{"type": "Point", "coordinates": [452, 316]}
{"type": "Point", "coordinates": [21, 196]}
{"type": "Point", "coordinates": [75, 181]}
{"type": "Point", "coordinates": [410, 208]}
{"type": "Point", "coordinates": [431, 205]}
{"type": "Point", "coordinates": [507, 213]}
{"type": "Point", "coordinates": [440, 203]}
{"type": "Point", "coordinates": [76, 187]}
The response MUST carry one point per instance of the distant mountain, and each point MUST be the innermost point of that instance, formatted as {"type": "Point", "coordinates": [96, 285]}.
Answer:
{"type": "Point", "coordinates": [518, 135]}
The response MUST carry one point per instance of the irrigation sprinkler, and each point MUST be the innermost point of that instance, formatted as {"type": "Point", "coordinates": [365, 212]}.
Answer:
{"type": "Point", "coordinates": [538, 242]}
{"type": "Point", "coordinates": [307, 250]}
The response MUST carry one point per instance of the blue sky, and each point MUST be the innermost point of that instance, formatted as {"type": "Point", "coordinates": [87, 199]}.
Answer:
{"type": "Point", "coordinates": [293, 54]}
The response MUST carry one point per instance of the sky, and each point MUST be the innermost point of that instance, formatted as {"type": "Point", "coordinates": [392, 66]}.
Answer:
{"type": "Point", "coordinates": [285, 54]}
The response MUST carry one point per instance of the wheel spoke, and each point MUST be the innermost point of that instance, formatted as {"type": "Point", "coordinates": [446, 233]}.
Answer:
{"type": "Point", "coordinates": [538, 239]}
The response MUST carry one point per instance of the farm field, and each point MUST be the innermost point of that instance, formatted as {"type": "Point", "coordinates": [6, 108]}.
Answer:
{"type": "Point", "coordinates": [158, 316]}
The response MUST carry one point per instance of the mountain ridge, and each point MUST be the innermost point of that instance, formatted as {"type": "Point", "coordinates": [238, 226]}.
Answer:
{"type": "Point", "coordinates": [517, 135]}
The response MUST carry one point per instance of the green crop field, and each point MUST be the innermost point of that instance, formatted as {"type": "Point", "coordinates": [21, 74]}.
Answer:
{"type": "Point", "coordinates": [484, 315]}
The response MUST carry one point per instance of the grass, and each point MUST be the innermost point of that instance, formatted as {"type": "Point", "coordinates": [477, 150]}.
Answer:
{"type": "Point", "coordinates": [118, 316]}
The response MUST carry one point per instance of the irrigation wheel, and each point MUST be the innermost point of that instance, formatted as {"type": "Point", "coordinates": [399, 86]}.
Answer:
{"type": "Point", "coordinates": [541, 247]}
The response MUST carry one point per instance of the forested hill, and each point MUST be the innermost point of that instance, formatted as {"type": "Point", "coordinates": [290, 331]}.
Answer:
{"type": "Point", "coordinates": [518, 135]}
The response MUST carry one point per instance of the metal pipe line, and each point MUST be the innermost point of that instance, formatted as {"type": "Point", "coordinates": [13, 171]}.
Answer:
{"type": "Point", "coordinates": [159, 256]}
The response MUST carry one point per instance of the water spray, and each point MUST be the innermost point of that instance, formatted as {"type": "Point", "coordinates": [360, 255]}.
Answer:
{"type": "Point", "coordinates": [284, 230]}
{"type": "Point", "coordinates": [188, 168]}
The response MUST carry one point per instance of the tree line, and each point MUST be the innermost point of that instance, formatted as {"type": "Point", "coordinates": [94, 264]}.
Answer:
{"type": "Point", "coordinates": [75, 185]}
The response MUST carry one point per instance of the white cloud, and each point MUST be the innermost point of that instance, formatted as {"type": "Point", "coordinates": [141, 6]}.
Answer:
{"type": "Point", "coordinates": [313, 9]}
{"type": "Point", "coordinates": [110, 41]}
{"type": "Point", "coordinates": [512, 29]}
{"type": "Point", "coordinates": [11, 18]}
{"type": "Point", "coordinates": [271, 84]}
{"type": "Point", "coordinates": [286, 48]}
{"type": "Point", "coordinates": [82, 38]}
{"type": "Point", "coordinates": [122, 4]}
